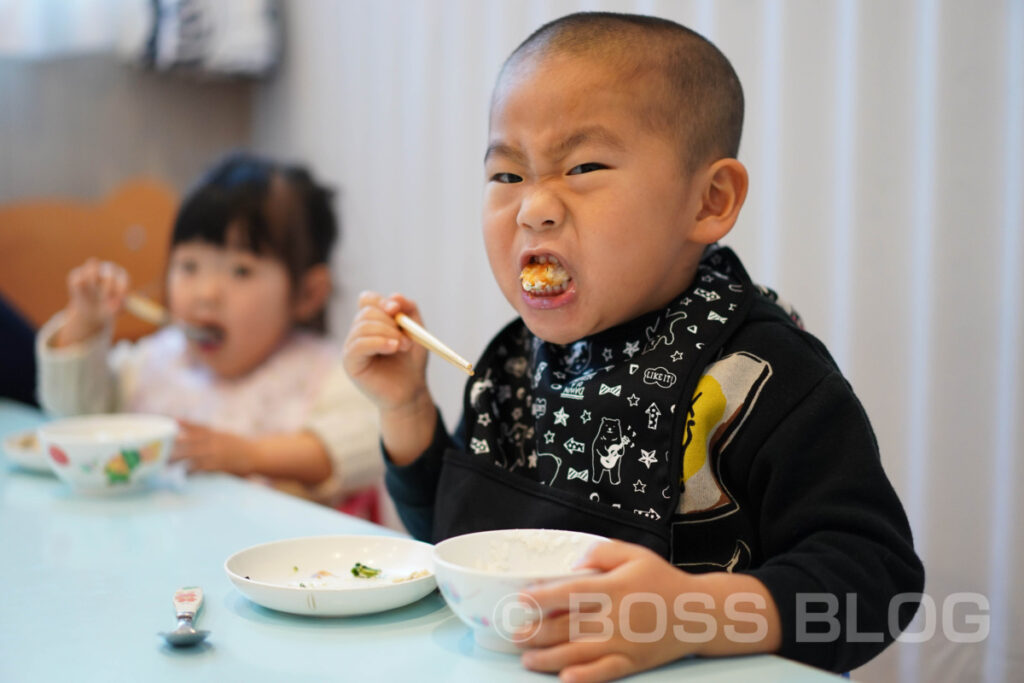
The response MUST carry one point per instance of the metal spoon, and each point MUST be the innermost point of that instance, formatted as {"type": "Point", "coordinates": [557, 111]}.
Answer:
{"type": "Point", "coordinates": [187, 602]}
{"type": "Point", "coordinates": [155, 314]}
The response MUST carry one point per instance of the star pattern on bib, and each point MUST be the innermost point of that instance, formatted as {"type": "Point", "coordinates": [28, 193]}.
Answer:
{"type": "Point", "coordinates": [648, 458]}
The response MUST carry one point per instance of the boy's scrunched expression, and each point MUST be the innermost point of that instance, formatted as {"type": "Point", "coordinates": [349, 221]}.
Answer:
{"type": "Point", "coordinates": [587, 207]}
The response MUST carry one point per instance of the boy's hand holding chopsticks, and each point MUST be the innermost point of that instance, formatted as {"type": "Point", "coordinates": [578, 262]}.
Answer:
{"type": "Point", "coordinates": [382, 360]}
{"type": "Point", "coordinates": [395, 307]}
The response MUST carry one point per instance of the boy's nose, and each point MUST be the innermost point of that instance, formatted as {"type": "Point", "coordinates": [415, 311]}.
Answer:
{"type": "Point", "coordinates": [540, 210]}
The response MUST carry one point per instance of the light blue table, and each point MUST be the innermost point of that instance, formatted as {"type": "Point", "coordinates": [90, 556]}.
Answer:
{"type": "Point", "coordinates": [86, 583]}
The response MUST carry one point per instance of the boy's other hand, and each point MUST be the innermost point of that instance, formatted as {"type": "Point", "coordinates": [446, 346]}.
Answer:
{"type": "Point", "coordinates": [642, 634]}
{"type": "Point", "coordinates": [96, 290]}
{"type": "Point", "coordinates": [626, 569]}
{"type": "Point", "coordinates": [203, 448]}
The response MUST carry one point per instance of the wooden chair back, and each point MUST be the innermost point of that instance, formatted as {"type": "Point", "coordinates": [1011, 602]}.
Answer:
{"type": "Point", "coordinates": [41, 240]}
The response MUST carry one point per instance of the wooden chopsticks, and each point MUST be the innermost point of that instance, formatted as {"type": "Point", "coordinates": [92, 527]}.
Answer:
{"type": "Point", "coordinates": [424, 338]}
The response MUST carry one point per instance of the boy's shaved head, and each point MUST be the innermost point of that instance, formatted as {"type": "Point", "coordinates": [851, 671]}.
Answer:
{"type": "Point", "coordinates": [695, 94]}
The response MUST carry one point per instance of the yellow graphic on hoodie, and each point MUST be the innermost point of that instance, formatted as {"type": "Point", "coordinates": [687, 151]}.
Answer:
{"type": "Point", "coordinates": [723, 398]}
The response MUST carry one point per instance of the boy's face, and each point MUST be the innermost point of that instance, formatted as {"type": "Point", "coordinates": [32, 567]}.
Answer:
{"type": "Point", "coordinates": [574, 172]}
{"type": "Point", "coordinates": [239, 295]}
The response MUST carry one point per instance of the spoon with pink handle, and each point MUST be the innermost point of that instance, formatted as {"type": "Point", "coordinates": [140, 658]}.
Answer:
{"type": "Point", "coordinates": [187, 602]}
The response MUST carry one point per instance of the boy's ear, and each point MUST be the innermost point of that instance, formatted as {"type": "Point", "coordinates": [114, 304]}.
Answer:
{"type": "Point", "coordinates": [725, 189]}
{"type": "Point", "coordinates": [313, 292]}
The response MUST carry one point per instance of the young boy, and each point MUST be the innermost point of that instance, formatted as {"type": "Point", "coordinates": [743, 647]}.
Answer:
{"type": "Point", "coordinates": [648, 391]}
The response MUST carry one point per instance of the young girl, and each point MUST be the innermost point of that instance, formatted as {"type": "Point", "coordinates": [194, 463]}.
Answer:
{"type": "Point", "coordinates": [256, 387]}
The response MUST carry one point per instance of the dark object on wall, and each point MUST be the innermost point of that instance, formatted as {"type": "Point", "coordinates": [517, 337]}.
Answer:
{"type": "Point", "coordinates": [212, 37]}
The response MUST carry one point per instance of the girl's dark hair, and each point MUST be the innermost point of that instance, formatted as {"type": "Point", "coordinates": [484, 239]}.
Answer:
{"type": "Point", "coordinates": [270, 208]}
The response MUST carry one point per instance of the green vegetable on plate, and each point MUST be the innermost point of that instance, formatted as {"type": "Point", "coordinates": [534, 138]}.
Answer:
{"type": "Point", "coordinates": [361, 571]}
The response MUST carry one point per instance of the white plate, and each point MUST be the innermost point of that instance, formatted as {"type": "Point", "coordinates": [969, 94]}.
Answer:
{"type": "Point", "coordinates": [269, 574]}
{"type": "Point", "coordinates": [27, 455]}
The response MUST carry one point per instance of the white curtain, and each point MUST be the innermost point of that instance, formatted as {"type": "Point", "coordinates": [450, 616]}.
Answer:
{"type": "Point", "coordinates": [886, 151]}
{"type": "Point", "coordinates": [42, 29]}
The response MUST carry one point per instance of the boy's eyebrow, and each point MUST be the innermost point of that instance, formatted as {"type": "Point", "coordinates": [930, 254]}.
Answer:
{"type": "Point", "coordinates": [598, 134]}
{"type": "Point", "coordinates": [562, 148]}
{"type": "Point", "coordinates": [507, 151]}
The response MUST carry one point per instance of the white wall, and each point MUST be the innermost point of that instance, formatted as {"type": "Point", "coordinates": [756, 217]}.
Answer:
{"type": "Point", "coordinates": [77, 127]}
{"type": "Point", "coordinates": [885, 145]}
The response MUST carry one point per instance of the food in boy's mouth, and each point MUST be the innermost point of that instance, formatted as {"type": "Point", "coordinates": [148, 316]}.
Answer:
{"type": "Point", "coordinates": [544, 276]}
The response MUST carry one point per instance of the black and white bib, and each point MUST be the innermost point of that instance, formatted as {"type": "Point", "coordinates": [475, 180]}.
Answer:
{"type": "Point", "coordinates": [598, 418]}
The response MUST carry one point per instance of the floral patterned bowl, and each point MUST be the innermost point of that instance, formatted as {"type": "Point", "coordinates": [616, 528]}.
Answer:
{"type": "Point", "coordinates": [480, 576]}
{"type": "Point", "coordinates": [107, 453]}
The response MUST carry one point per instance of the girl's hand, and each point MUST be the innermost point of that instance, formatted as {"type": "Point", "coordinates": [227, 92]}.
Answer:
{"type": "Point", "coordinates": [96, 290]}
{"type": "Point", "coordinates": [206, 449]}
{"type": "Point", "coordinates": [633, 617]}
{"type": "Point", "coordinates": [382, 361]}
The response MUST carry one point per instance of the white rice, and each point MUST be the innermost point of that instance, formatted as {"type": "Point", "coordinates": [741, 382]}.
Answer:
{"type": "Point", "coordinates": [558, 552]}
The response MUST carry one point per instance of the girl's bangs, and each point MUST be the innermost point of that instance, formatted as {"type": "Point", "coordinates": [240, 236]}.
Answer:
{"type": "Point", "coordinates": [225, 218]}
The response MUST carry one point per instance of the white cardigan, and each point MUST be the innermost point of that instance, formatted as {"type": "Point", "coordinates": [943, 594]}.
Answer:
{"type": "Point", "coordinates": [302, 386]}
